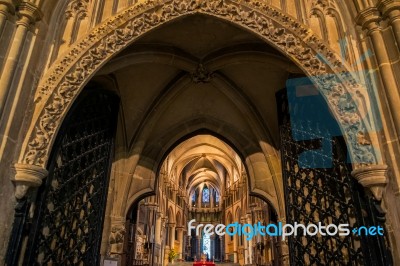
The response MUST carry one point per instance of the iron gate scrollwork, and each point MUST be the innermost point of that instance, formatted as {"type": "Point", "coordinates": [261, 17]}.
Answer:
{"type": "Point", "coordinates": [68, 222]}
{"type": "Point", "coordinates": [319, 188]}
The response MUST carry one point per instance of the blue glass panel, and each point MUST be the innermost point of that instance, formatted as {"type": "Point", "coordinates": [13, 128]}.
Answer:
{"type": "Point", "coordinates": [206, 195]}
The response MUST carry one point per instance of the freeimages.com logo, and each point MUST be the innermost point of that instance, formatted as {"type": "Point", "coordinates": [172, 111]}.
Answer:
{"type": "Point", "coordinates": [282, 230]}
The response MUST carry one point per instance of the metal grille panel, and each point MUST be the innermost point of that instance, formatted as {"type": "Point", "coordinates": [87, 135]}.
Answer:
{"type": "Point", "coordinates": [319, 188]}
{"type": "Point", "coordinates": [319, 195]}
{"type": "Point", "coordinates": [70, 214]}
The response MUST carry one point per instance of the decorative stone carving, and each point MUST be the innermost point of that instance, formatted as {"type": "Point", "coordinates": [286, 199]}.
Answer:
{"type": "Point", "coordinates": [27, 176]}
{"type": "Point", "coordinates": [283, 246]}
{"type": "Point", "coordinates": [8, 6]}
{"type": "Point", "coordinates": [164, 221]}
{"type": "Point", "coordinates": [28, 13]}
{"type": "Point", "coordinates": [326, 7]}
{"type": "Point", "coordinates": [368, 17]}
{"type": "Point", "coordinates": [116, 239]}
{"type": "Point", "coordinates": [374, 178]}
{"type": "Point", "coordinates": [391, 10]}
{"type": "Point", "coordinates": [201, 75]}
{"type": "Point", "coordinates": [59, 87]}
{"type": "Point", "coordinates": [322, 3]}
{"type": "Point", "coordinates": [387, 6]}
{"type": "Point", "coordinates": [77, 8]}
{"type": "Point", "coordinates": [319, 5]}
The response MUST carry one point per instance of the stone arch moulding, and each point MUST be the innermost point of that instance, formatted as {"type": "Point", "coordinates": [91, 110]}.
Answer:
{"type": "Point", "coordinates": [65, 79]}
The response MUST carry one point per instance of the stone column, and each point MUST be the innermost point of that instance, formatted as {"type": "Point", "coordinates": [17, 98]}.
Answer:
{"type": "Point", "coordinates": [155, 236]}
{"type": "Point", "coordinates": [391, 10]}
{"type": "Point", "coordinates": [212, 247]}
{"type": "Point", "coordinates": [157, 231]}
{"type": "Point", "coordinates": [198, 255]}
{"type": "Point", "coordinates": [28, 14]}
{"type": "Point", "coordinates": [272, 241]}
{"type": "Point", "coordinates": [166, 253]}
{"type": "Point", "coordinates": [6, 7]}
{"type": "Point", "coordinates": [221, 248]}
{"type": "Point", "coordinates": [369, 19]}
{"type": "Point", "coordinates": [185, 244]}
{"type": "Point", "coordinates": [374, 179]}
{"type": "Point", "coordinates": [163, 226]}
{"type": "Point", "coordinates": [163, 248]}
{"type": "Point", "coordinates": [283, 247]}
{"type": "Point", "coordinates": [4, 11]}
{"type": "Point", "coordinates": [171, 235]}
{"type": "Point", "coordinates": [188, 247]}
{"type": "Point", "coordinates": [250, 242]}
{"type": "Point", "coordinates": [243, 242]}
{"type": "Point", "coordinates": [180, 239]}
{"type": "Point", "coordinates": [227, 239]}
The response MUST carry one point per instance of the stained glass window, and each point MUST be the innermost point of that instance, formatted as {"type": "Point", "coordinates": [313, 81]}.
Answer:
{"type": "Point", "coordinates": [206, 195]}
{"type": "Point", "coordinates": [207, 245]}
{"type": "Point", "coordinates": [194, 197]}
{"type": "Point", "coordinates": [216, 197]}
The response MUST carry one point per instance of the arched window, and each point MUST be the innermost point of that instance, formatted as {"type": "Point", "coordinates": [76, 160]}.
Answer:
{"type": "Point", "coordinates": [206, 195]}
{"type": "Point", "coordinates": [207, 245]}
{"type": "Point", "coordinates": [216, 196]}
{"type": "Point", "coordinates": [194, 197]}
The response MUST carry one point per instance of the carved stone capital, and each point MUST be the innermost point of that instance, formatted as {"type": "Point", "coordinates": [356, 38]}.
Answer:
{"type": "Point", "coordinates": [389, 8]}
{"type": "Point", "coordinates": [151, 206]}
{"type": "Point", "coordinates": [28, 14]}
{"type": "Point", "coordinates": [171, 225]}
{"type": "Point", "coordinates": [369, 18]}
{"type": "Point", "coordinates": [374, 178]}
{"type": "Point", "coordinates": [27, 176]}
{"type": "Point", "coordinates": [8, 6]}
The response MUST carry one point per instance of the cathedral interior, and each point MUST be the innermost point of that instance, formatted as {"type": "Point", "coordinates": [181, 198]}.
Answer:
{"type": "Point", "coordinates": [125, 121]}
{"type": "Point", "coordinates": [202, 179]}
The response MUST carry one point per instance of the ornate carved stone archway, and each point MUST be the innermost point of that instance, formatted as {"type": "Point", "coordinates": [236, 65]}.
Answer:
{"type": "Point", "coordinates": [64, 81]}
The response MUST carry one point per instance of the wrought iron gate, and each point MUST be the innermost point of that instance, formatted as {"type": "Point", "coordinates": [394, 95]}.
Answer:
{"type": "Point", "coordinates": [319, 188]}
{"type": "Point", "coordinates": [67, 227]}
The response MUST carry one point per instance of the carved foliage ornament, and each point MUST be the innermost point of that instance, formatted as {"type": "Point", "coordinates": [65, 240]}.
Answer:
{"type": "Point", "coordinates": [78, 8]}
{"type": "Point", "coordinates": [68, 75]}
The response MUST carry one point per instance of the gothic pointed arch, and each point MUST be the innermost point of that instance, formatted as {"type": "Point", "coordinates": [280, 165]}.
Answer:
{"type": "Point", "coordinates": [62, 83]}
